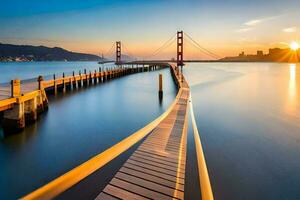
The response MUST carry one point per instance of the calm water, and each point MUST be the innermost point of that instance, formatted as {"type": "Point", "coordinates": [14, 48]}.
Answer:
{"type": "Point", "coordinates": [248, 115]}
{"type": "Point", "coordinates": [28, 70]}
{"type": "Point", "coordinates": [78, 126]}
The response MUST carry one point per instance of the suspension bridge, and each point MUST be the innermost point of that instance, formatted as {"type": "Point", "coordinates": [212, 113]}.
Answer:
{"type": "Point", "coordinates": [157, 168]}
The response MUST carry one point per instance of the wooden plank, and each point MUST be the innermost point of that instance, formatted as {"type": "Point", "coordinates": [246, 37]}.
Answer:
{"type": "Point", "coordinates": [160, 157]}
{"type": "Point", "coordinates": [121, 193]}
{"type": "Point", "coordinates": [161, 145]}
{"type": "Point", "coordinates": [162, 153]}
{"type": "Point", "coordinates": [155, 168]}
{"type": "Point", "coordinates": [154, 164]}
{"type": "Point", "coordinates": [156, 179]}
{"type": "Point", "coordinates": [150, 185]}
{"type": "Point", "coordinates": [103, 196]}
{"type": "Point", "coordinates": [138, 190]}
{"type": "Point", "coordinates": [162, 148]}
{"type": "Point", "coordinates": [167, 152]}
{"type": "Point", "coordinates": [154, 173]}
{"type": "Point", "coordinates": [158, 160]}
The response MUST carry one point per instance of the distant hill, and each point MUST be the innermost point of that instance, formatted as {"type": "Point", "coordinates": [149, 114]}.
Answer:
{"type": "Point", "coordinates": [9, 52]}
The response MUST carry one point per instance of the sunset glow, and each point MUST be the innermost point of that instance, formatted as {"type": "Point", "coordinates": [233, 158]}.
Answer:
{"type": "Point", "coordinates": [294, 46]}
{"type": "Point", "coordinates": [92, 26]}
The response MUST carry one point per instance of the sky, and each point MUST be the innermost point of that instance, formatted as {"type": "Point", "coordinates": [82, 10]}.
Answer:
{"type": "Point", "coordinates": [225, 27]}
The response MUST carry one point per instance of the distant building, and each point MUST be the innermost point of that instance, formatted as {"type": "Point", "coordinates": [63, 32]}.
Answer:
{"type": "Point", "coordinates": [274, 55]}
{"type": "Point", "coordinates": [275, 51]}
{"type": "Point", "coordinates": [260, 53]}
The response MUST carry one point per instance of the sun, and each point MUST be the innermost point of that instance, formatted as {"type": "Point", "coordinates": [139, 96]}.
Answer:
{"type": "Point", "coordinates": [294, 46]}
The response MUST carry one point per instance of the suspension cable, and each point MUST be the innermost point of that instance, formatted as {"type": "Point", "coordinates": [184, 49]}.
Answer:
{"type": "Point", "coordinates": [164, 46]}
{"type": "Point", "coordinates": [202, 48]}
{"type": "Point", "coordinates": [128, 52]}
{"type": "Point", "coordinates": [109, 52]}
{"type": "Point", "coordinates": [204, 52]}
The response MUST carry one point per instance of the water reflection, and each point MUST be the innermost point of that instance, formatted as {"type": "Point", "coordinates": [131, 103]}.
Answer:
{"type": "Point", "coordinates": [292, 83]}
{"type": "Point", "coordinates": [250, 134]}
{"type": "Point", "coordinates": [291, 106]}
{"type": "Point", "coordinates": [77, 126]}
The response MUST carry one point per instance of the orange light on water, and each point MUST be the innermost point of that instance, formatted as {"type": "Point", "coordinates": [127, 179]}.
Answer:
{"type": "Point", "coordinates": [292, 82]}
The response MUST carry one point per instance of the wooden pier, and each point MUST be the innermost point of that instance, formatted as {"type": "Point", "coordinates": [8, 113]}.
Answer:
{"type": "Point", "coordinates": [156, 170]}
{"type": "Point", "coordinates": [21, 103]}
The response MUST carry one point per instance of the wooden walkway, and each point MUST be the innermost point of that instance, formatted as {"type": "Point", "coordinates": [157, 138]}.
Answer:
{"type": "Point", "coordinates": [156, 170]}
{"type": "Point", "coordinates": [7, 99]}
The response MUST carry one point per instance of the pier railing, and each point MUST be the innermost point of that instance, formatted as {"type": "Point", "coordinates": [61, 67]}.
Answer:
{"type": "Point", "coordinates": [204, 180]}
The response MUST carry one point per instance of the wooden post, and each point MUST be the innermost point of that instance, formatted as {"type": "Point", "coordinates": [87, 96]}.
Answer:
{"type": "Point", "coordinates": [40, 82]}
{"type": "Point", "coordinates": [64, 83]}
{"type": "Point", "coordinates": [89, 78]}
{"type": "Point", "coordinates": [74, 82]}
{"type": "Point", "coordinates": [160, 91]}
{"type": "Point", "coordinates": [80, 78]}
{"type": "Point", "coordinates": [42, 101]}
{"type": "Point", "coordinates": [95, 77]}
{"type": "Point", "coordinates": [55, 85]}
{"type": "Point", "coordinates": [100, 75]}
{"type": "Point", "coordinates": [85, 75]}
{"type": "Point", "coordinates": [15, 88]}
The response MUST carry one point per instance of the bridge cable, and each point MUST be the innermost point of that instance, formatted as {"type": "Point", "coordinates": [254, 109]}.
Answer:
{"type": "Point", "coordinates": [204, 52]}
{"type": "Point", "coordinates": [109, 52]}
{"type": "Point", "coordinates": [164, 46]}
{"type": "Point", "coordinates": [128, 52]}
{"type": "Point", "coordinates": [202, 48]}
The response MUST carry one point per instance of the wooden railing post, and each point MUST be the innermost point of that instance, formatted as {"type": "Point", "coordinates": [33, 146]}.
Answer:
{"type": "Point", "coordinates": [15, 88]}
{"type": "Point", "coordinates": [64, 83]}
{"type": "Point", "coordinates": [55, 85]}
{"type": "Point", "coordinates": [80, 78]}
{"type": "Point", "coordinates": [100, 75]}
{"type": "Point", "coordinates": [40, 82]}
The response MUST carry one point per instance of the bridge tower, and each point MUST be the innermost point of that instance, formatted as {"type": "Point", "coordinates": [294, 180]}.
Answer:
{"type": "Point", "coordinates": [179, 50]}
{"type": "Point", "coordinates": [118, 52]}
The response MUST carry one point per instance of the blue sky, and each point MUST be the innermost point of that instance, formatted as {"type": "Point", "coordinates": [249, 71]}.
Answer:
{"type": "Point", "coordinates": [225, 26]}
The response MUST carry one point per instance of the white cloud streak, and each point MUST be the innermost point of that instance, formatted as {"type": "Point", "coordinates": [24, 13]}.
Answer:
{"type": "Point", "coordinates": [290, 29]}
{"type": "Point", "coordinates": [243, 30]}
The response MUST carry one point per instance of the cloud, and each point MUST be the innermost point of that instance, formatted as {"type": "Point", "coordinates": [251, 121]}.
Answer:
{"type": "Point", "coordinates": [243, 30]}
{"type": "Point", "coordinates": [290, 29]}
{"type": "Point", "coordinates": [253, 22]}
{"type": "Point", "coordinates": [249, 25]}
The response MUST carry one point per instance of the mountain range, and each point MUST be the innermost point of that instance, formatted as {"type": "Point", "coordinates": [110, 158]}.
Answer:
{"type": "Point", "coordinates": [10, 52]}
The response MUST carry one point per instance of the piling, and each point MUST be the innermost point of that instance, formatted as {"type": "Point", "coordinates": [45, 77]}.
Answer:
{"type": "Point", "coordinates": [42, 101]}
{"type": "Point", "coordinates": [64, 83]}
{"type": "Point", "coordinates": [160, 85]}
{"type": "Point", "coordinates": [14, 119]}
{"type": "Point", "coordinates": [55, 84]}
{"type": "Point", "coordinates": [79, 84]}
{"type": "Point", "coordinates": [95, 77]}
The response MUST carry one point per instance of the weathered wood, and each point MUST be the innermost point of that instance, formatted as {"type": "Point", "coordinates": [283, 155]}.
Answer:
{"type": "Point", "coordinates": [156, 169]}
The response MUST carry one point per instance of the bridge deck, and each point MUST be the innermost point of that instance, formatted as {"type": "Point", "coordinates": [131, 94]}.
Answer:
{"type": "Point", "coordinates": [156, 170]}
